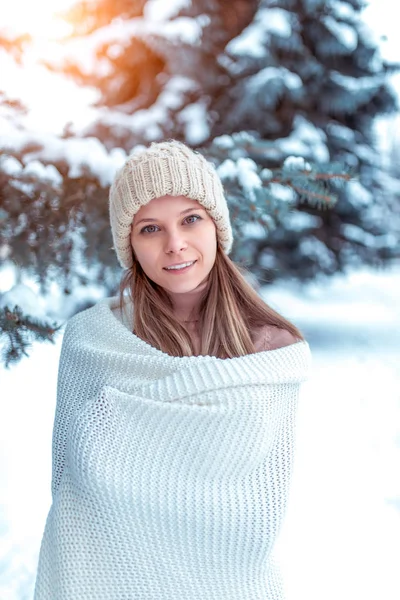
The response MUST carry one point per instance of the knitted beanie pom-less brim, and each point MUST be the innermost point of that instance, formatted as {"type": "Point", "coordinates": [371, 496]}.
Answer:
{"type": "Point", "coordinates": [165, 168]}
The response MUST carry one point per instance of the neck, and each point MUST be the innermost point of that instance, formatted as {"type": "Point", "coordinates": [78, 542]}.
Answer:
{"type": "Point", "coordinates": [186, 306]}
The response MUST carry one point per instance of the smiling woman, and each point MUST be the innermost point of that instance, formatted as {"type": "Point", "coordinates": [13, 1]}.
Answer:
{"type": "Point", "coordinates": [174, 426]}
{"type": "Point", "coordinates": [39, 19]}
{"type": "Point", "coordinates": [175, 235]}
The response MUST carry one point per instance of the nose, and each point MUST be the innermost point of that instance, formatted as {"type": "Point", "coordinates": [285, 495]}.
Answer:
{"type": "Point", "coordinates": [175, 242]}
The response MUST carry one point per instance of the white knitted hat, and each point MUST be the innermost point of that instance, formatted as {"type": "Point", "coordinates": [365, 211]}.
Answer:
{"type": "Point", "coordinates": [165, 168]}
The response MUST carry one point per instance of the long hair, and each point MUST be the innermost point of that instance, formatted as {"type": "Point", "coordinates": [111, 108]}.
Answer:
{"type": "Point", "coordinates": [230, 310]}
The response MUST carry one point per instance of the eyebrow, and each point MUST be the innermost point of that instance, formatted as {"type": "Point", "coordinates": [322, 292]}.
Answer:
{"type": "Point", "coordinates": [191, 209]}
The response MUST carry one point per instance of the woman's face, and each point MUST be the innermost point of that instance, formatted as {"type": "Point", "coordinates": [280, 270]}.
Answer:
{"type": "Point", "coordinates": [170, 230]}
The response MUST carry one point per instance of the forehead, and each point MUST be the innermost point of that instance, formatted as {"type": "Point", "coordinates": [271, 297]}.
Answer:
{"type": "Point", "coordinates": [167, 205]}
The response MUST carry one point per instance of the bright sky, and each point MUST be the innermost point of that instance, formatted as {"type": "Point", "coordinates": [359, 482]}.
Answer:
{"type": "Point", "coordinates": [39, 18]}
{"type": "Point", "coordinates": [36, 17]}
{"type": "Point", "coordinates": [381, 18]}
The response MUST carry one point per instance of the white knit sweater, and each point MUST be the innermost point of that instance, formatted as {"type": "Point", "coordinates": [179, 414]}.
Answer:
{"type": "Point", "coordinates": [170, 474]}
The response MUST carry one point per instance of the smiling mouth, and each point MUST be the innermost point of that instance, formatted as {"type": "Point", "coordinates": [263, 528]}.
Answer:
{"type": "Point", "coordinates": [180, 269]}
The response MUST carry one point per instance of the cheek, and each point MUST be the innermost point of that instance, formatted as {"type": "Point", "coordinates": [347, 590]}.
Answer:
{"type": "Point", "coordinates": [210, 248]}
{"type": "Point", "coordinates": [147, 255]}
{"type": "Point", "coordinates": [210, 232]}
{"type": "Point", "coordinates": [212, 239]}
{"type": "Point", "coordinates": [139, 252]}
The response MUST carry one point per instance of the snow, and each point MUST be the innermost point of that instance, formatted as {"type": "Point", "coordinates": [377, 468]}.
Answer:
{"type": "Point", "coordinates": [357, 84]}
{"type": "Point", "coordinates": [342, 534]}
{"type": "Point", "coordinates": [245, 171]}
{"type": "Point", "coordinates": [276, 21]}
{"type": "Point", "coordinates": [305, 140]}
{"type": "Point", "coordinates": [253, 41]}
{"type": "Point", "coordinates": [247, 176]}
{"type": "Point", "coordinates": [290, 80]}
{"type": "Point", "coordinates": [357, 195]}
{"type": "Point", "coordinates": [296, 220]}
{"type": "Point", "coordinates": [54, 102]}
{"type": "Point", "coordinates": [383, 28]}
{"type": "Point", "coordinates": [26, 188]}
{"type": "Point", "coordinates": [282, 193]}
{"type": "Point", "coordinates": [79, 153]}
{"type": "Point", "coordinates": [365, 153]}
{"type": "Point", "coordinates": [341, 132]}
{"type": "Point", "coordinates": [194, 117]}
{"type": "Point", "coordinates": [184, 29]}
{"type": "Point", "coordinates": [356, 234]}
{"type": "Point", "coordinates": [30, 303]}
{"type": "Point", "coordinates": [10, 165]}
{"type": "Point", "coordinates": [343, 10]}
{"type": "Point", "coordinates": [55, 306]}
{"type": "Point", "coordinates": [227, 169]}
{"type": "Point", "coordinates": [268, 85]}
{"type": "Point", "coordinates": [344, 33]}
{"type": "Point", "coordinates": [253, 230]}
{"type": "Point", "coordinates": [159, 10]}
{"type": "Point", "coordinates": [296, 163]}
{"type": "Point", "coordinates": [84, 52]}
{"type": "Point", "coordinates": [45, 172]}
{"type": "Point", "coordinates": [175, 89]}
{"type": "Point", "coordinates": [266, 174]}
{"type": "Point", "coordinates": [224, 141]}
{"type": "Point", "coordinates": [312, 247]}
{"type": "Point", "coordinates": [150, 122]}
{"type": "Point", "coordinates": [51, 99]}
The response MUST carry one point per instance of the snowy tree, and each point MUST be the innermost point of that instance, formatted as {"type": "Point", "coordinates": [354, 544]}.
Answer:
{"type": "Point", "coordinates": [281, 79]}
{"type": "Point", "coordinates": [18, 329]}
{"type": "Point", "coordinates": [281, 95]}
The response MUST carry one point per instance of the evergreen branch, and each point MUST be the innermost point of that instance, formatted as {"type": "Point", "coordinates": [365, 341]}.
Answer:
{"type": "Point", "coordinates": [19, 330]}
{"type": "Point", "coordinates": [327, 176]}
{"type": "Point", "coordinates": [305, 192]}
{"type": "Point", "coordinates": [315, 177]}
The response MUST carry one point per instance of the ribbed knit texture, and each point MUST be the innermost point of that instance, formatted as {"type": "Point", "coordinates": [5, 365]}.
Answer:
{"type": "Point", "coordinates": [165, 168]}
{"type": "Point", "coordinates": [170, 474]}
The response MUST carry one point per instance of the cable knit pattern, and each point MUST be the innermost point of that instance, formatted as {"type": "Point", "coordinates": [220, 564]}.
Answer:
{"type": "Point", "coordinates": [165, 168]}
{"type": "Point", "coordinates": [170, 474]}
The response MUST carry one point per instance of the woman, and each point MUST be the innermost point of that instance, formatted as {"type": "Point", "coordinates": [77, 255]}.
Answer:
{"type": "Point", "coordinates": [176, 403]}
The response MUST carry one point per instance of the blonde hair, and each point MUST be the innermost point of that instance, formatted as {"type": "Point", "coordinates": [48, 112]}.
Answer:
{"type": "Point", "coordinates": [230, 310]}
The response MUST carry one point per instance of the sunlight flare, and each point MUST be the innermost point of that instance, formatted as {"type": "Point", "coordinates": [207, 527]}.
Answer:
{"type": "Point", "coordinates": [40, 19]}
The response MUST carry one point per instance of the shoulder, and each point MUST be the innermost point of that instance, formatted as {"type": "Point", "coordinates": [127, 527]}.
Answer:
{"type": "Point", "coordinates": [281, 338]}
{"type": "Point", "coordinates": [269, 337]}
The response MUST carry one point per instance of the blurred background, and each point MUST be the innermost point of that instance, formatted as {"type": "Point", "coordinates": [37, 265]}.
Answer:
{"type": "Point", "coordinates": [297, 104]}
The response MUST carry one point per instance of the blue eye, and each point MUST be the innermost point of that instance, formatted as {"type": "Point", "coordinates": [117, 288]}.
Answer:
{"type": "Point", "coordinates": [189, 217]}
{"type": "Point", "coordinates": [144, 229]}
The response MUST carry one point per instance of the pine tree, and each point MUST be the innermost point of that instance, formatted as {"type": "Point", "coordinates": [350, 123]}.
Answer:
{"type": "Point", "coordinates": [280, 79]}
{"type": "Point", "coordinates": [281, 95]}
{"type": "Point", "coordinates": [18, 331]}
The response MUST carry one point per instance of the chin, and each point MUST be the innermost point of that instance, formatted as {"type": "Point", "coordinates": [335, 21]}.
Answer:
{"type": "Point", "coordinates": [184, 288]}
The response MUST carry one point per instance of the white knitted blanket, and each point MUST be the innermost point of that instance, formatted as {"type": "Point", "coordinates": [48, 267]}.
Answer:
{"type": "Point", "coordinates": [170, 474]}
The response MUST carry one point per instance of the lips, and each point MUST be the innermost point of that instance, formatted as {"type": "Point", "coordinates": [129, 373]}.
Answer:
{"type": "Point", "coordinates": [179, 264]}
